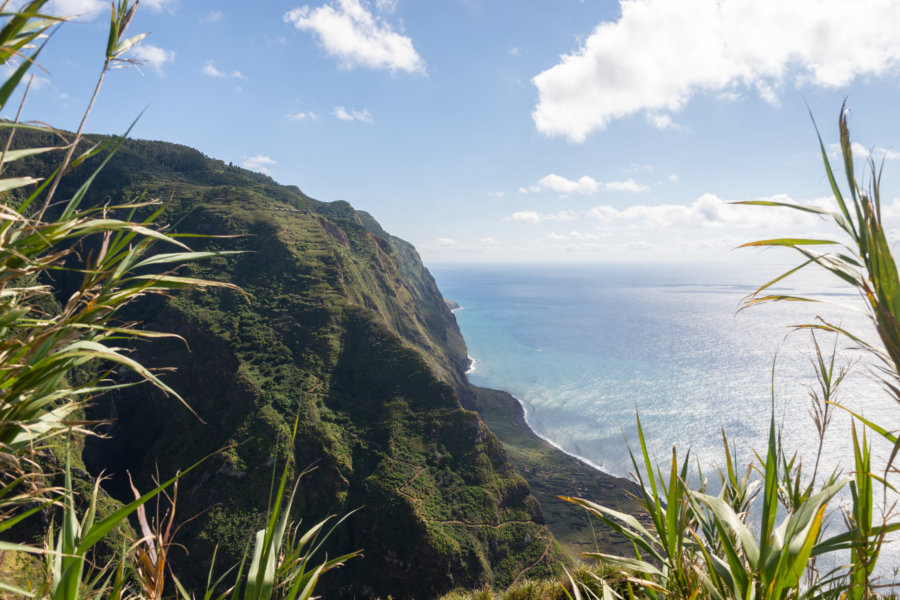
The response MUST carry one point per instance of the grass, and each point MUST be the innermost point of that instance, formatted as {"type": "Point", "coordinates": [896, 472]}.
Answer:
{"type": "Point", "coordinates": [588, 577]}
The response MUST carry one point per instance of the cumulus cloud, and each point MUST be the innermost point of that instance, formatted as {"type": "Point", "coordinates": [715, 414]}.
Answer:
{"type": "Point", "coordinates": [303, 116]}
{"type": "Point", "coordinates": [445, 242]}
{"type": "Point", "coordinates": [496, 194]}
{"type": "Point", "coordinates": [707, 211]}
{"type": "Point", "coordinates": [352, 115]}
{"type": "Point", "coordinates": [152, 56]}
{"type": "Point", "coordinates": [209, 68]}
{"type": "Point", "coordinates": [525, 216]}
{"type": "Point", "coordinates": [575, 235]}
{"type": "Point", "coordinates": [629, 185]}
{"type": "Point", "coordinates": [561, 216]}
{"type": "Point", "coordinates": [659, 54]}
{"type": "Point", "coordinates": [662, 121]}
{"type": "Point", "coordinates": [584, 185]}
{"type": "Point", "coordinates": [557, 183]}
{"type": "Point", "coordinates": [348, 30]}
{"type": "Point", "coordinates": [530, 216]}
{"type": "Point", "coordinates": [259, 163]}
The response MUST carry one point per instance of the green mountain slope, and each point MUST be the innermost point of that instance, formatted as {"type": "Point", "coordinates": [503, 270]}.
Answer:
{"type": "Point", "coordinates": [342, 326]}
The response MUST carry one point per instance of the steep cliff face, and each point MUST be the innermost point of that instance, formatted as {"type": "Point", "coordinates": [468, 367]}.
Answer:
{"type": "Point", "coordinates": [343, 328]}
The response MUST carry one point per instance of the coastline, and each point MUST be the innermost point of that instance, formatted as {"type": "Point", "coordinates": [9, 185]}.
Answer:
{"type": "Point", "coordinates": [552, 472]}
{"type": "Point", "coordinates": [556, 446]}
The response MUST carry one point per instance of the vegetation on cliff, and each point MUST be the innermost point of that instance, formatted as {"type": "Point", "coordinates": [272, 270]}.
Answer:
{"type": "Point", "coordinates": [345, 328]}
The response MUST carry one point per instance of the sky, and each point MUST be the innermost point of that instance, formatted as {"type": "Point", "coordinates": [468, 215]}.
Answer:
{"type": "Point", "coordinates": [511, 130]}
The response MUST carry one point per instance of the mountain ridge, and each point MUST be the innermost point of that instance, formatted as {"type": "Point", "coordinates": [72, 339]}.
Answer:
{"type": "Point", "coordinates": [341, 324]}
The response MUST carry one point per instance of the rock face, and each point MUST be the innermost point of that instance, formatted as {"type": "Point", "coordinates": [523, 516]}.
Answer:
{"type": "Point", "coordinates": [342, 328]}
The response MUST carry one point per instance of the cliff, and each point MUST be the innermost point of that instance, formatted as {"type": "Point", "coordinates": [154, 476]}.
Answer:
{"type": "Point", "coordinates": [342, 325]}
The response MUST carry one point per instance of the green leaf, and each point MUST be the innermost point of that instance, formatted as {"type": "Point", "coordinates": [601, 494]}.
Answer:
{"type": "Point", "coordinates": [789, 242]}
{"type": "Point", "coordinates": [14, 589]}
{"type": "Point", "coordinates": [127, 44]}
{"type": "Point", "coordinates": [626, 563]}
{"type": "Point", "coordinates": [16, 182]}
{"type": "Point", "coordinates": [13, 155]}
{"type": "Point", "coordinates": [180, 257]}
{"type": "Point", "coordinates": [12, 82]}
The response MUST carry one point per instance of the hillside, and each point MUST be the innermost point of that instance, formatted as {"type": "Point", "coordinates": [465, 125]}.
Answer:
{"type": "Point", "coordinates": [342, 325]}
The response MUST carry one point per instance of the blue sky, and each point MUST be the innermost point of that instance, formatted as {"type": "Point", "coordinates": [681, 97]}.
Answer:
{"type": "Point", "coordinates": [510, 130]}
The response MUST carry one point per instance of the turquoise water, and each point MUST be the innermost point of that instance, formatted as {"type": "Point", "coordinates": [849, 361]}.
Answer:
{"type": "Point", "coordinates": [586, 347]}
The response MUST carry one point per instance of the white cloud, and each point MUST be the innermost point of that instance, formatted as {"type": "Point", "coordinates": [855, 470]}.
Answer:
{"type": "Point", "coordinates": [209, 68]}
{"type": "Point", "coordinates": [347, 30]}
{"type": "Point", "coordinates": [662, 121]}
{"type": "Point", "coordinates": [386, 5]}
{"type": "Point", "coordinates": [860, 152]}
{"type": "Point", "coordinates": [584, 185]}
{"type": "Point", "coordinates": [303, 116]}
{"type": "Point", "coordinates": [561, 216]}
{"type": "Point", "coordinates": [259, 163]}
{"type": "Point", "coordinates": [88, 9]}
{"type": "Point", "coordinates": [525, 216]}
{"type": "Point", "coordinates": [37, 82]}
{"type": "Point", "coordinates": [707, 211]}
{"type": "Point", "coordinates": [557, 183]}
{"type": "Point", "coordinates": [575, 235]}
{"type": "Point", "coordinates": [672, 177]}
{"type": "Point", "coordinates": [152, 56]}
{"type": "Point", "coordinates": [214, 16]}
{"type": "Point", "coordinates": [496, 194]}
{"type": "Point", "coordinates": [158, 5]}
{"type": "Point", "coordinates": [81, 8]}
{"type": "Point", "coordinates": [489, 241]}
{"type": "Point", "coordinates": [629, 185]}
{"type": "Point", "coordinates": [445, 242]}
{"type": "Point", "coordinates": [660, 53]}
{"type": "Point", "coordinates": [530, 216]}
{"type": "Point", "coordinates": [891, 211]}
{"type": "Point", "coordinates": [352, 115]}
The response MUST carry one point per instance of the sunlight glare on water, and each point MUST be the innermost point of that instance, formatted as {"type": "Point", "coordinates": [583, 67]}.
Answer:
{"type": "Point", "coordinates": [585, 347]}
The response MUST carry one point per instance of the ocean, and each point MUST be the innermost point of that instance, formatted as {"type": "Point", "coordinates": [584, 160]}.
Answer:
{"type": "Point", "coordinates": [585, 348]}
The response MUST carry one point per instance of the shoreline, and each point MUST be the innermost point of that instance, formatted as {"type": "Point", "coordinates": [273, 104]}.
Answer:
{"type": "Point", "coordinates": [551, 472]}
{"type": "Point", "coordinates": [547, 440]}
{"type": "Point", "coordinates": [524, 416]}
